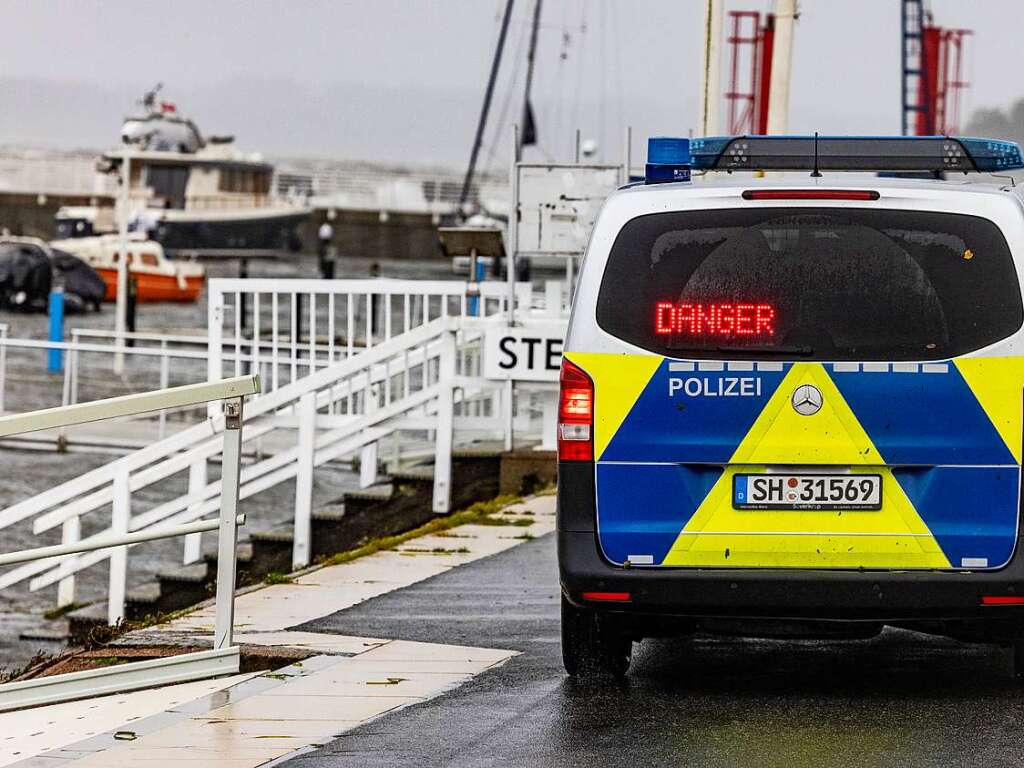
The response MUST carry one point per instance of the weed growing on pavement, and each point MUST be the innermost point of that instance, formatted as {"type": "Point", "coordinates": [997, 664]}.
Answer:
{"type": "Point", "coordinates": [480, 513]}
{"type": "Point", "coordinates": [276, 577]}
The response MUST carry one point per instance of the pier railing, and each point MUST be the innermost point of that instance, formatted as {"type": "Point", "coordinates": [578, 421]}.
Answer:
{"type": "Point", "coordinates": [414, 384]}
{"type": "Point", "coordinates": [279, 329]}
{"type": "Point", "coordinates": [414, 381]}
{"type": "Point", "coordinates": [113, 543]}
{"type": "Point", "coordinates": [287, 329]}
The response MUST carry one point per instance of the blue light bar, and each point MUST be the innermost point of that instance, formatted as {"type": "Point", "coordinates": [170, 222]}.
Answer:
{"type": "Point", "coordinates": [992, 154]}
{"type": "Point", "coordinates": [933, 154]}
{"type": "Point", "coordinates": [668, 159]}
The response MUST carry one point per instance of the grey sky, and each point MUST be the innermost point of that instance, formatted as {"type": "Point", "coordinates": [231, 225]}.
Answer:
{"type": "Point", "coordinates": [402, 80]}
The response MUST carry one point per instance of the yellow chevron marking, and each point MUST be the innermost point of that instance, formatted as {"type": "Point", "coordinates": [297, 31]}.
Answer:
{"type": "Point", "coordinates": [780, 435]}
{"type": "Point", "coordinates": [892, 537]}
{"type": "Point", "coordinates": [618, 382]}
{"type": "Point", "coordinates": [998, 383]}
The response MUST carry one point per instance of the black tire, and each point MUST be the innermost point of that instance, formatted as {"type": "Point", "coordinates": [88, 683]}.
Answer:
{"type": "Point", "coordinates": [592, 647]}
{"type": "Point", "coordinates": [1017, 660]}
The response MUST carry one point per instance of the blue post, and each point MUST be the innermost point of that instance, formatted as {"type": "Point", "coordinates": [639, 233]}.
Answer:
{"type": "Point", "coordinates": [55, 357]}
{"type": "Point", "coordinates": [481, 273]}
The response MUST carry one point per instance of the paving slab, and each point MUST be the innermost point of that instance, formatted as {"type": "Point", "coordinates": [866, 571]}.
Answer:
{"type": "Point", "coordinates": [33, 731]}
{"type": "Point", "coordinates": [252, 719]}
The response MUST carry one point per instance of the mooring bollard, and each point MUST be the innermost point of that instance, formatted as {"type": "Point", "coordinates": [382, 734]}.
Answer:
{"type": "Point", "coordinates": [55, 357]}
{"type": "Point", "coordinates": [133, 298]}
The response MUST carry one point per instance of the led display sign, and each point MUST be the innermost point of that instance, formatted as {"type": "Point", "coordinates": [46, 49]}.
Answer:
{"type": "Point", "coordinates": [723, 320]}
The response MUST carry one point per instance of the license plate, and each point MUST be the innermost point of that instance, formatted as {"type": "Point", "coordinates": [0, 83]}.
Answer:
{"type": "Point", "coordinates": [788, 491]}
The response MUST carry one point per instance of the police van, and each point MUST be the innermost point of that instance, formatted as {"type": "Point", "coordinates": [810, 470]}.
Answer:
{"type": "Point", "coordinates": [794, 403]}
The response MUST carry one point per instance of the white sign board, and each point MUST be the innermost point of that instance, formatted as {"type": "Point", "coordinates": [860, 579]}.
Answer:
{"type": "Point", "coordinates": [558, 205]}
{"type": "Point", "coordinates": [530, 352]}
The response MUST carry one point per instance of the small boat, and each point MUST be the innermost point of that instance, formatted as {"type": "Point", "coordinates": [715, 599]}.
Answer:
{"type": "Point", "coordinates": [156, 277]}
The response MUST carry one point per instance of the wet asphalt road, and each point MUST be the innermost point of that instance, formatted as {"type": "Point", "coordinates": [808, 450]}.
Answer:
{"type": "Point", "coordinates": [901, 699]}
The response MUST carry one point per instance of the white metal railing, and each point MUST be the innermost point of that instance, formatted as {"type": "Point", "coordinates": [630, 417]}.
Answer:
{"type": "Point", "coordinates": [316, 323]}
{"type": "Point", "coordinates": [186, 354]}
{"type": "Point", "coordinates": [342, 410]}
{"type": "Point", "coordinates": [313, 323]}
{"type": "Point", "coordinates": [182, 359]}
{"type": "Point", "coordinates": [114, 542]}
{"type": "Point", "coordinates": [406, 374]}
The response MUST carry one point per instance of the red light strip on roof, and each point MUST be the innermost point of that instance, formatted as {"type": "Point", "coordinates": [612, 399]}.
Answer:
{"type": "Point", "coordinates": [810, 194]}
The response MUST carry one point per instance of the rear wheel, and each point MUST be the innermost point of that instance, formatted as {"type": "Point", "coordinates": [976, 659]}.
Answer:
{"type": "Point", "coordinates": [1017, 657]}
{"type": "Point", "coordinates": [592, 647]}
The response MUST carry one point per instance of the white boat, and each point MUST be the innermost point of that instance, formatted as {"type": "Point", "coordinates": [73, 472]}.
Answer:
{"type": "Point", "coordinates": [189, 192]}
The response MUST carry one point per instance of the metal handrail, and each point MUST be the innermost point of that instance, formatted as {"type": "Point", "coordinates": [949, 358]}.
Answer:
{"type": "Point", "coordinates": [106, 542]}
{"type": "Point", "coordinates": [224, 658]}
{"type": "Point", "coordinates": [231, 392]}
{"type": "Point", "coordinates": [129, 405]}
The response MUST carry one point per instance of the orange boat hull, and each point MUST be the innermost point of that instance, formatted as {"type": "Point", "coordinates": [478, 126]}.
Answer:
{"type": "Point", "coordinates": [153, 288]}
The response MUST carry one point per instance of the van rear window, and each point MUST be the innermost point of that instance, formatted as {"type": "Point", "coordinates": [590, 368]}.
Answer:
{"type": "Point", "coordinates": [814, 283]}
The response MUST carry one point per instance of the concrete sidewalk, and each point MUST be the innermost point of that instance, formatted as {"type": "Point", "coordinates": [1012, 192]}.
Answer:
{"type": "Point", "coordinates": [250, 720]}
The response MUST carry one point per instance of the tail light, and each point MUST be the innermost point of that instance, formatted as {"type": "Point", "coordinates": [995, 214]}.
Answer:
{"type": "Point", "coordinates": [607, 597]}
{"type": "Point", "coordinates": [575, 414]}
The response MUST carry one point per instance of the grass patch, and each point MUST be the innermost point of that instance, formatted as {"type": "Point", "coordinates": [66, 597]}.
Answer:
{"type": "Point", "coordinates": [480, 513]}
{"type": "Point", "coordinates": [526, 536]}
{"type": "Point", "coordinates": [275, 577]}
{"type": "Point", "coordinates": [103, 635]}
{"type": "Point", "coordinates": [514, 521]}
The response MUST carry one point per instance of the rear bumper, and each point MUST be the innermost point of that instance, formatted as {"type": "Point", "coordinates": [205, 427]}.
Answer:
{"type": "Point", "coordinates": [876, 596]}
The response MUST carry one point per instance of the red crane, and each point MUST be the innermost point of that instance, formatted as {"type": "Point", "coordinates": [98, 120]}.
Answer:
{"type": "Point", "coordinates": [934, 77]}
{"type": "Point", "coordinates": [750, 56]}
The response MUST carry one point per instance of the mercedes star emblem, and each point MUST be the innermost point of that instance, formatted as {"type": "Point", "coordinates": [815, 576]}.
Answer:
{"type": "Point", "coordinates": [807, 400]}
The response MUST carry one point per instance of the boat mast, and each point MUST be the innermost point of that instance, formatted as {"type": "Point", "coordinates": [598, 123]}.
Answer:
{"type": "Point", "coordinates": [710, 74]}
{"type": "Point", "coordinates": [482, 122]}
{"type": "Point", "coordinates": [528, 122]}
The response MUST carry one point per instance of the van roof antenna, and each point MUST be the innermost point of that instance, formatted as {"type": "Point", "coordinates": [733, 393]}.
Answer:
{"type": "Point", "coordinates": [815, 174]}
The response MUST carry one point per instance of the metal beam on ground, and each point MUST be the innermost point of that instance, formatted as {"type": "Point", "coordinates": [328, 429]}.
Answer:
{"type": "Point", "coordinates": [119, 678]}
